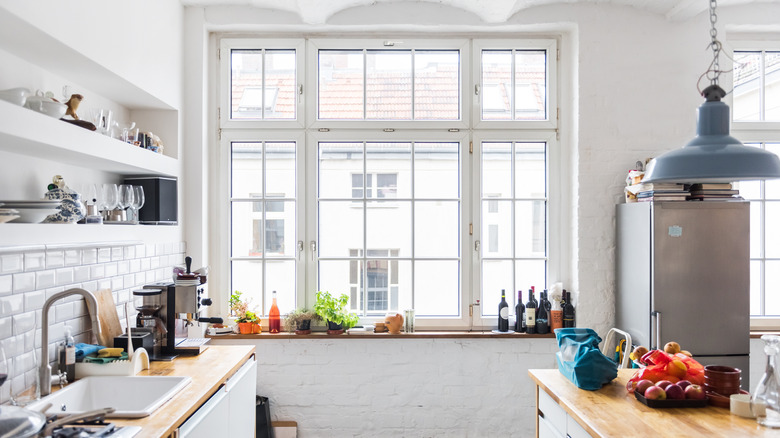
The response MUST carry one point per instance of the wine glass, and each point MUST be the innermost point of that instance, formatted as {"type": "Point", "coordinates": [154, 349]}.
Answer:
{"type": "Point", "coordinates": [96, 116]}
{"type": "Point", "coordinates": [125, 197]}
{"type": "Point", "coordinates": [127, 128]}
{"type": "Point", "coordinates": [138, 200]}
{"type": "Point", "coordinates": [4, 371]}
{"type": "Point", "coordinates": [109, 198]}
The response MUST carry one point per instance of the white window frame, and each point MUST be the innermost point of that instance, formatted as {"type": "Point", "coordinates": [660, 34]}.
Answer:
{"type": "Point", "coordinates": [307, 131]}
{"type": "Point", "coordinates": [753, 132]}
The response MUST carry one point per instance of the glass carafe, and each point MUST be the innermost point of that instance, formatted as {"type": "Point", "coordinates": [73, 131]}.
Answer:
{"type": "Point", "coordinates": [768, 389]}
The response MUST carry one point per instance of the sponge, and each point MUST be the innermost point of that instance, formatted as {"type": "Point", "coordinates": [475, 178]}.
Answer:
{"type": "Point", "coordinates": [110, 352]}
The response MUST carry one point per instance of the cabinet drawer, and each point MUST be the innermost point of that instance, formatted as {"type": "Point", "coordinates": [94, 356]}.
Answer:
{"type": "Point", "coordinates": [553, 413]}
{"type": "Point", "coordinates": [574, 430]}
{"type": "Point", "coordinates": [547, 430]}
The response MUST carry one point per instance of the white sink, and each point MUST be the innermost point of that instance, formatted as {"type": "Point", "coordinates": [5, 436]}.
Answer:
{"type": "Point", "coordinates": [131, 397]}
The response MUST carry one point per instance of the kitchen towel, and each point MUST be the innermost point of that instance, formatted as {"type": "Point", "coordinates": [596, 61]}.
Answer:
{"type": "Point", "coordinates": [82, 350]}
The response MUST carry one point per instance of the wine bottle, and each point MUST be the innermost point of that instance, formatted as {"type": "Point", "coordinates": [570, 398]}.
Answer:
{"type": "Point", "coordinates": [568, 311]}
{"type": "Point", "coordinates": [274, 320]}
{"type": "Point", "coordinates": [530, 313]}
{"type": "Point", "coordinates": [520, 313]}
{"type": "Point", "coordinates": [542, 323]}
{"type": "Point", "coordinates": [503, 313]}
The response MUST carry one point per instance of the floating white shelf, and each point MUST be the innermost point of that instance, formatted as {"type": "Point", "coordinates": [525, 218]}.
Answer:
{"type": "Point", "coordinates": [12, 234]}
{"type": "Point", "coordinates": [26, 132]}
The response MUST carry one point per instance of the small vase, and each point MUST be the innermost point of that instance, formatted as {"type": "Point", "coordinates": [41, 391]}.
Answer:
{"type": "Point", "coordinates": [335, 329]}
{"type": "Point", "coordinates": [245, 328]}
{"type": "Point", "coordinates": [303, 327]}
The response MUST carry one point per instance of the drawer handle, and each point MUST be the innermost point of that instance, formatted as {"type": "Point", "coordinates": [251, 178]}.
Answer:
{"type": "Point", "coordinates": [541, 414]}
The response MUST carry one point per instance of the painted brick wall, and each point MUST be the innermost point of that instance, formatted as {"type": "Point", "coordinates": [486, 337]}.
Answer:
{"type": "Point", "coordinates": [31, 274]}
{"type": "Point", "coordinates": [402, 387]}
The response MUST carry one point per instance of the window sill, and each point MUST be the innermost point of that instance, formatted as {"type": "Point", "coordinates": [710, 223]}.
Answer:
{"type": "Point", "coordinates": [369, 335]}
{"type": "Point", "coordinates": [756, 334]}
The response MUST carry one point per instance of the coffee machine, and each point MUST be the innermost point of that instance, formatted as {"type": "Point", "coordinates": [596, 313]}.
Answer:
{"type": "Point", "coordinates": [171, 312]}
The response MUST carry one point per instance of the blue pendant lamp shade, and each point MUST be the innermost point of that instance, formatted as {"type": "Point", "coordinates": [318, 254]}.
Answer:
{"type": "Point", "coordinates": [713, 156]}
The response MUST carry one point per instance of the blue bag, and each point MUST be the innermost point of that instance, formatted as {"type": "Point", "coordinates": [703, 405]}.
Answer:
{"type": "Point", "coordinates": [580, 359]}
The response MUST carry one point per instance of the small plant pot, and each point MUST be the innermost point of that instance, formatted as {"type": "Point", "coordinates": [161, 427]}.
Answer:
{"type": "Point", "coordinates": [303, 327]}
{"type": "Point", "coordinates": [335, 329]}
{"type": "Point", "coordinates": [245, 328]}
{"type": "Point", "coordinates": [256, 328]}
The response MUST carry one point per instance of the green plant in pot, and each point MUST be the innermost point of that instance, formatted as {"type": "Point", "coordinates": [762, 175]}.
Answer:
{"type": "Point", "coordinates": [299, 321]}
{"type": "Point", "coordinates": [334, 311]}
{"type": "Point", "coordinates": [245, 318]}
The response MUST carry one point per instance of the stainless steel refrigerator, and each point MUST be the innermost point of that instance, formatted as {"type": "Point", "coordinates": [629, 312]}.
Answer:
{"type": "Point", "coordinates": [683, 274]}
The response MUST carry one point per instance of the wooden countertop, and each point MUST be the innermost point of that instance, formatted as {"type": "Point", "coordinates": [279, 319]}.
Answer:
{"type": "Point", "coordinates": [613, 412]}
{"type": "Point", "coordinates": [208, 371]}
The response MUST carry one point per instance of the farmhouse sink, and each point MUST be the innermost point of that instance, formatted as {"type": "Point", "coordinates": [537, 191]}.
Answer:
{"type": "Point", "coordinates": [130, 396]}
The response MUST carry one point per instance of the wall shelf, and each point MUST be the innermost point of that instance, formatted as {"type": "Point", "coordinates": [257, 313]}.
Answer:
{"type": "Point", "coordinates": [12, 234]}
{"type": "Point", "coordinates": [27, 132]}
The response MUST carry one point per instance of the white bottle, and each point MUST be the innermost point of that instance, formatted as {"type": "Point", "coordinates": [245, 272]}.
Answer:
{"type": "Point", "coordinates": [67, 357]}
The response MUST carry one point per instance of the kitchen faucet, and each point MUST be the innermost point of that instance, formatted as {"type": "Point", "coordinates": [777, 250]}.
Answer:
{"type": "Point", "coordinates": [44, 372]}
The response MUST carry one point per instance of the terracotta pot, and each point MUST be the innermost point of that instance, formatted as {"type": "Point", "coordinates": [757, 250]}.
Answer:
{"type": "Point", "coordinates": [256, 328]}
{"type": "Point", "coordinates": [394, 323]}
{"type": "Point", "coordinates": [335, 329]}
{"type": "Point", "coordinates": [245, 328]}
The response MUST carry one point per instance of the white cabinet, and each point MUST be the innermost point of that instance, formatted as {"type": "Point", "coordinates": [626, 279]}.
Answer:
{"type": "Point", "coordinates": [554, 422]}
{"type": "Point", "coordinates": [231, 409]}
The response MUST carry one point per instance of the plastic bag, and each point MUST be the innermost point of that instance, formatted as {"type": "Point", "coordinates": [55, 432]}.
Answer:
{"type": "Point", "coordinates": [580, 359]}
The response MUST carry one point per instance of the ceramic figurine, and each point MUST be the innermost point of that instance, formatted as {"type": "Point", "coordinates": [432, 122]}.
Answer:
{"type": "Point", "coordinates": [72, 209]}
{"type": "Point", "coordinates": [394, 323]}
{"type": "Point", "coordinates": [73, 105]}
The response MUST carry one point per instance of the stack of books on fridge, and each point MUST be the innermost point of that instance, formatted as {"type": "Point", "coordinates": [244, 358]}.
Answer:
{"type": "Point", "coordinates": [655, 192]}
{"type": "Point", "coordinates": [714, 192]}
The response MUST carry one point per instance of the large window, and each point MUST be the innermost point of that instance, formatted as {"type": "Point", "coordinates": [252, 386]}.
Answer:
{"type": "Point", "coordinates": [756, 115]}
{"type": "Point", "coordinates": [380, 169]}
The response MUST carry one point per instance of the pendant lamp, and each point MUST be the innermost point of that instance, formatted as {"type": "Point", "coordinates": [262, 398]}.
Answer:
{"type": "Point", "coordinates": [713, 156]}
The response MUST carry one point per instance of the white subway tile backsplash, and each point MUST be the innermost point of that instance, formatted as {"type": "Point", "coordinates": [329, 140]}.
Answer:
{"type": "Point", "coordinates": [97, 271]}
{"type": "Point", "coordinates": [140, 278]}
{"type": "Point", "coordinates": [123, 267]}
{"type": "Point", "coordinates": [104, 284]}
{"type": "Point", "coordinates": [34, 300]}
{"type": "Point", "coordinates": [124, 296]}
{"type": "Point", "coordinates": [63, 312]}
{"type": "Point", "coordinates": [81, 274]}
{"type": "Point", "coordinates": [154, 262]}
{"type": "Point", "coordinates": [11, 304]}
{"type": "Point", "coordinates": [6, 327]}
{"type": "Point", "coordinates": [72, 257]}
{"type": "Point", "coordinates": [129, 252]}
{"type": "Point", "coordinates": [104, 255]}
{"type": "Point", "coordinates": [135, 265]}
{"type": "Point", "coordinates": [140, 251]}
{"type": "Point", "coordinates": [64, 276]}
{"type": "Point", "coordinates": [44, 279]}
{"type": "Point", "coordinates": [146, 264]}
{"type": "Point", "coordinates": [24, 322]}
{"type": "Point", "coordinates": [12, 263]}
{"type": "Point", "coordinates": [111, 269]}
{"type": "Point", "coordinates": [117, 253]}
{"type": "Point", "coordinates": [117, 283]}
{"type": "Point", "coordinates": [34, 261]}
{"type": "Point", "coordinates": [89, 256]}
{"type": "Point", "coordinates": [55, 259]}
{"type": "Point", "coordinates": [6, 285]}
{"type": "Point", "coordinates": [151, 250]}
{"type": "Point", "coordinates": [24, 282]}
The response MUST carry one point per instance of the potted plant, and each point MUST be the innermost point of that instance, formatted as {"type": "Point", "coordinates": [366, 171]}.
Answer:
{"type": "Point", "coordinates": [299, 320]}
{"type": "Point", "coordinates": [247, 320]}
{"type": "Point", "coordinates": [334, 311]}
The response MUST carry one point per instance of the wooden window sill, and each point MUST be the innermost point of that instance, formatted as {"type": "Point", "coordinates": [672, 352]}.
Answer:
{"type": "Point", "coordinates": [369, 335]}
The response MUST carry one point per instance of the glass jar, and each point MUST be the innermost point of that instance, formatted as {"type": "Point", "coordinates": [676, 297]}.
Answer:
{"type": "Point", "coordinates": [768, 389]}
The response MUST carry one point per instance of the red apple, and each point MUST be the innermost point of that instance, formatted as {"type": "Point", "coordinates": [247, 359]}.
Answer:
{"type": "Point", "coordinates": [674, 392]}
{"type": "Point", "coordinates": [684, 383]}
{"type": "Point", "coordinates": [663, 384]}
{"type": "Point", "coordinates": [695, 392]}
{"type": "Point", "coordinates": [642, 386]}
{"type": "Point", "coordinates": [655, 393]}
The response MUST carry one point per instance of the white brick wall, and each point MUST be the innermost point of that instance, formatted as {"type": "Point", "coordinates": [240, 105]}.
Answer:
{"type": "Point", "coordinates": [402, 387]}
{"type": "Point", "coordinates": [28, 275]}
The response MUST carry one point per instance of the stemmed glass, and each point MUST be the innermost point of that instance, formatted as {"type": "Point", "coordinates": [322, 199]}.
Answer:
{"type": "Point", "coordinates": [4, 371]}
{"type": "Point", "coordinates": [109, 198]}
{"type": "Point", "coordinates": [126, 197]}
{"type": "Point", "coordinates": [138, 200]}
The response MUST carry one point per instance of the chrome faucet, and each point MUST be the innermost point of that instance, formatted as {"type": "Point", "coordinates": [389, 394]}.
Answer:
{"type": "Point", "coordinates": [44, 373]}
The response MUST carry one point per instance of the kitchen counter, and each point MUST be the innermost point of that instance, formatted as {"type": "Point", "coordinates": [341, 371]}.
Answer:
{"type": "Point", "coordinates": [613, 412]}
{"type": "Point", "coordinates": [208, 371]}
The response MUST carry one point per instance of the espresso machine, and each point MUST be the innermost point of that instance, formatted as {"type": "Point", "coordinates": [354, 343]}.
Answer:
{"type": "Point", "coordinates": [170, 312]}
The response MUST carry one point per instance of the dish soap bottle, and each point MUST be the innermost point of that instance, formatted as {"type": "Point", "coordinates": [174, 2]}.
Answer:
{"type": "Point", "coordinates": [67, 356]}
{"type": "Point", "coordinates": [766, 400]}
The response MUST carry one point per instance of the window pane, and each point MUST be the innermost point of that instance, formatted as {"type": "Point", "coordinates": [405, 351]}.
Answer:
{"type": "Point", "coordinates": [390, 168]}
{"type": "Point", "coordinates": [772, 239]}
{"type": "Point", "coordinates": [389, 84]}
{"type": "Point", "coordinates": [530, 170]}
{"type": "Point", "coordinates": [436, 85]}
{"type": "Point", "coordinates": [280, 169]}
{"type": "Point", "coordinates": [334, 277]}
{"type": "Point", "coordinates": [247, 229]}
{"type": "Point", "coordinates": [497, 170]}
{"type": "Point", "coordinates": [772, 86]}
{"type": "Point", "coordinates": [389, 225]}
{"type": "Point", "coordinates": [280, 230]}
{"type": "Point", "coordinates": [247, 278]}
{"type": "Point", "coordinates": [437, 286]}
{"type": "Point", "coordinates": [496, 84]}
{"type": "Point", "coordinates": [501, 220]}
{"type": "Point", "coordinates": [771, 286]}
{"type": "Point", "coordinates": [530, 229]}
{"type": "Point", "coordinates": [340, 227]}
{"type": "Point", "coordinates": [755, 287]}
{"type": "Point", "coordinates": [773, 185]}
{"type": "Point", "coordinates": [280, 84]}
{"type": "Point", "coordinates": [530, 85]}
{"type": "Point", "coordinates": [340, 84]}
{"type": "Point", "coordinates": [755, 229]}
{"type": "Point", "coordinates": [436, 170]}
{"type": "Point", "coordinates": [530, 273]}
{"type": "Point", "coordinates": [338, 163]}
{"type": "Point", "coordinates": [246, 169]}
{"type": "Point", "coordinates": [246, 85]}
{"type": "Point", "coordinates": [436, 229]}
{"type": "Point", "coordinates": [496, 275]}
{"type": "Point", "coordinates": [280, 277]}
{"type": "Point", "coordinates": [747, 74]}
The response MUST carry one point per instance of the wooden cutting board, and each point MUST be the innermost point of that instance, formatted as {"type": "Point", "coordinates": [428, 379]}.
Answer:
{"type": "Point", "coordinates": [108, 317]}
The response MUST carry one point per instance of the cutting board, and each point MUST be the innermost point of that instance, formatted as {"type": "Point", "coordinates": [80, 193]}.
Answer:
{"type": "Point", "coordinates": [108, 317]}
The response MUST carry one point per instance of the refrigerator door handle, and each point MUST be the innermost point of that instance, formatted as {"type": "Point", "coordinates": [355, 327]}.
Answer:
{"type": "Point", "coordinates": [657, 315]}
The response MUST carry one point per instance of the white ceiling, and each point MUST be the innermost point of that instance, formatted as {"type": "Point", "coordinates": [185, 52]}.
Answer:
{"type": "Point", "coordinates": [490, 11]}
